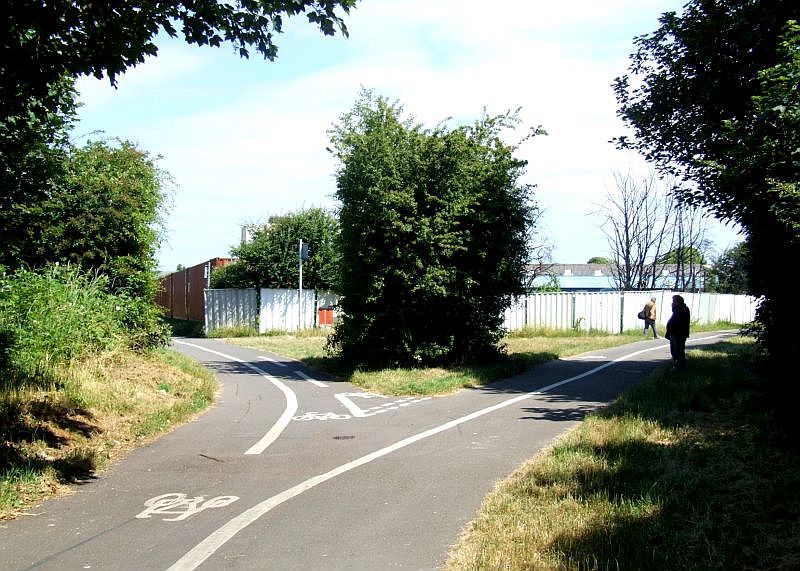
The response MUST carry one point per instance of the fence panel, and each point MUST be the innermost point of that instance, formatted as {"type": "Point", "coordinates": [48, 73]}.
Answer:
{"type": "Point", "coordinates": [552, 310]}
{"type": "Point", "coordinates": [230, 308]}
{"type": "Point", "coordinates": [514, 317]}
{"type": "Point", "coordinates": [597, 311]}
{"type": "Point", "coordinates": [282, 310]}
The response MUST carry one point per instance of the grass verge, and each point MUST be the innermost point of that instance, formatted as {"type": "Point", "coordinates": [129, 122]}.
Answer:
{"type": "Point", "coordinates": [55, 435]}
{"type": "Point", "coordinates": [683, 472]}
{"type": "Point", "coordinates": [524, 349]}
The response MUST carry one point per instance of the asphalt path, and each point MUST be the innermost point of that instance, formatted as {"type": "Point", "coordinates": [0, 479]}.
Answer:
{"type": "Point", "coordinates": [293, 470]}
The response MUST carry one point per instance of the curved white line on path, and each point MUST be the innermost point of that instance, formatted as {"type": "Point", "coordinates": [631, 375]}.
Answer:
{"type": "Point", "coordinates": [206, 548]}
{"type": "Point", "coordinates": [285, 418]}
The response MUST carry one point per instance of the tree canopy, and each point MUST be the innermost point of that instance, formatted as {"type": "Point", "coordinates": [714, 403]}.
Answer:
{"type": "Point", "coordinates": [729, 272]}
{"type": "Point", "coordinates": [598, 260]}
{"type": "Point", "coordinates": [270, 259]}
{"type": "Point", "coordinates": [47, 41]}
{"type": "Point", "coordinates": [434, 239]}
{"type": "Point", "coordinates": [712, 96]}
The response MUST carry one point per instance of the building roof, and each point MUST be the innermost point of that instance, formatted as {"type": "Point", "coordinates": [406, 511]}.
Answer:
{"type": "Point", "coordinates": [596, 276]}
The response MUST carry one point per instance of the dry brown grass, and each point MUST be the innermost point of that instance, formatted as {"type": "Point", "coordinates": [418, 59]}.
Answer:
{"type": "Point", "coordinates": [101, 409]}
{"type": "Point", "coordinates": [686, 471]}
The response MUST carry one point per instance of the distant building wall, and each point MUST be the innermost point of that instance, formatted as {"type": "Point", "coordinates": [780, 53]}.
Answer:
{"type": "Point", "coordinates": [181, 293]}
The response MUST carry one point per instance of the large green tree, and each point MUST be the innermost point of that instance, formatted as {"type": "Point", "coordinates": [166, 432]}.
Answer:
{"type": "Point", "coordinates": [270, 259]}
{"type": "Point", "coordinates": [106, 215]}
{"type": "Point", "coordinates": [712, 95]}
{"type": "Point", "coordinates": [434, 236]}
{"type": "Point", "coordinates": [102, 212]}
{"type": "Point", "coordinates": [46, 41]}
{"type": "Point", "coordinates": [45, 46]}
{"type": "Point", "coordinates": [33, 151]}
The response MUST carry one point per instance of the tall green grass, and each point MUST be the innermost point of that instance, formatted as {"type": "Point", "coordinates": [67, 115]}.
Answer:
{"type": "Point", "coordinates": [52, 318]}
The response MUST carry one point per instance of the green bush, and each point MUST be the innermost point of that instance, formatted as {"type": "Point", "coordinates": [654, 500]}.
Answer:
{"type": "Point", "coordinates": [52, 318]}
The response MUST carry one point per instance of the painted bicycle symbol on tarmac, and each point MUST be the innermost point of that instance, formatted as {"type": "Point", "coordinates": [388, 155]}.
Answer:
{"type": "Point", "coordinates": [182, 506]}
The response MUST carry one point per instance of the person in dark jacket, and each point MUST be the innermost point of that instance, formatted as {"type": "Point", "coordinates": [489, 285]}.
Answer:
{"type": "Point", "coordinates": [678, 331]}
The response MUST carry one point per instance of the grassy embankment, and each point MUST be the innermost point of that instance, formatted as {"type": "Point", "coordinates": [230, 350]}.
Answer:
{"type": "Point", "coordinates": [74, 395]}
{"type": "Point", "coordinates": [687, 471]}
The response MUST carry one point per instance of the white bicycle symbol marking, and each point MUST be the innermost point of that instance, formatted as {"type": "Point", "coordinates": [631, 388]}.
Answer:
{"type": "Point", "coordinates": [182, 506]}
{"type": "Point", "coordinates": [321, 416]}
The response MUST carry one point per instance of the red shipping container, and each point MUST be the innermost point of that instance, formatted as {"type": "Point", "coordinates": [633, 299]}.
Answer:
{"type": "Point", "coordinates": [324, 316]}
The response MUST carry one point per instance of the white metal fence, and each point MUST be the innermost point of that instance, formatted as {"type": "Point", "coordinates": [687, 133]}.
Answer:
{"type": "Point", "coordinates": [230, 308]}
{"type": "Point", "coordinates": [281, 309]}
{"type": "Point", "coordinates": [269, 309]}
{"type": "Point", "coordinates": [616, 311]}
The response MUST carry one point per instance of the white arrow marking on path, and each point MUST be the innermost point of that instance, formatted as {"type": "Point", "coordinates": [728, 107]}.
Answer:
{"type": "Point", "coordinates": [285, 418]}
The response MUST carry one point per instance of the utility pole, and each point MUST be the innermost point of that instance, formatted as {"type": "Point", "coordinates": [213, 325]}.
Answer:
{"type": "Point", "coordinates": [302, 254]}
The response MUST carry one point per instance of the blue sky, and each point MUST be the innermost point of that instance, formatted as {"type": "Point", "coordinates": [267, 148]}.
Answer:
{"type": "Point", "coordinates": [245, 139]}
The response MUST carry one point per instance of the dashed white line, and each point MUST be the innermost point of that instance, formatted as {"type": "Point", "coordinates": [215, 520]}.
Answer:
{"type": "Point", "coordinates": [302, 375]}
{"type": "Point", "coordinates": [273, 361]}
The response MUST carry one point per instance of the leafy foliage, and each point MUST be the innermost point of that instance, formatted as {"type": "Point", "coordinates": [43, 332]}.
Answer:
{"type": "Point", "coordinates": [102, 214]}
{"type": "Point", "coordinates": [271, 258]}
{"type": "Point", "coordinates": [47, 41]}
{"type": "Point", "coordinates": [716, 100]}
{"type": "Point", "coordinates": [729, 273]}
{"type": "Point", "coordinates": [233, 275]}
{"type": "Point", "coordinates": [54, 317]}
{"type": "Point", "coordinates": [33, 150]}
{"type": "Point", "coordinates": [683, 255]}
{"type": "Point", "coordinates": [106, 215]}
{"type": "Point", "coordinates": [434, 237]}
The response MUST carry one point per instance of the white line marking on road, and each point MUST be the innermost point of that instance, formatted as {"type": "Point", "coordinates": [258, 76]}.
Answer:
{"type": "Point", "coordinates": [285, 418]}
{"type": "Point", "coordinates": [206, 548]}
{"type": "Point", "coordinates": [273, 361]}
{"type": "Point", "coordinates": [302, 375]}
{"type": "Point", "coordinates": [354, 409]}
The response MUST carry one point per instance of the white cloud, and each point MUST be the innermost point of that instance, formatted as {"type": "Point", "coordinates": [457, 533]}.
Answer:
{"type": "Point", "coordinates": [245, 139]}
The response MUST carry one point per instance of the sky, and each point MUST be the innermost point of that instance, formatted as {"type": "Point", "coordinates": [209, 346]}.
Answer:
{"type": "Point", "coordinates": [244, 139]}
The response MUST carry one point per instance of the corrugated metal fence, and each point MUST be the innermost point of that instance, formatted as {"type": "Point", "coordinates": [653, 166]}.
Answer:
{"type": "Point", "coordinates": [280, 309]}
{"type": "Point", "coordinates": [231, 308]}
{"type": "Point", "coordinates": [268, 309]}
{"type": "Point", "coordinates": [616, 311]}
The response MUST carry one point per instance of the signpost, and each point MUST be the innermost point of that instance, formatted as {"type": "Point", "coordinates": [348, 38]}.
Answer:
{"type": "Point", "coordinates": [302, 254]}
